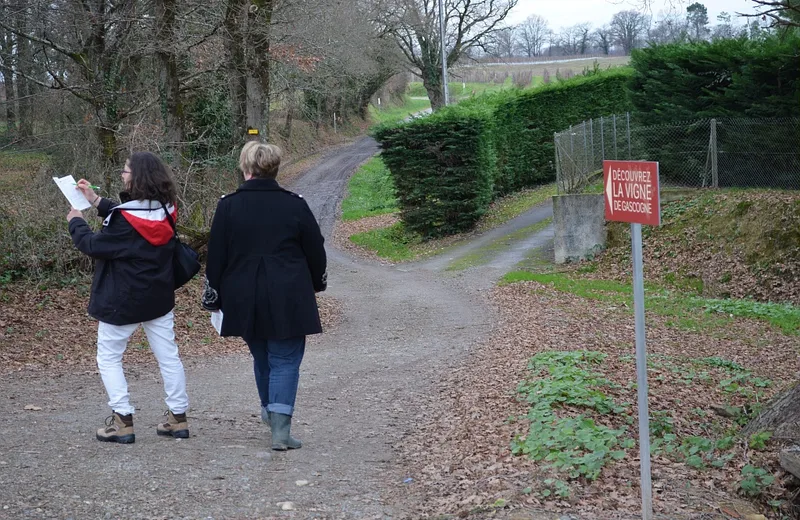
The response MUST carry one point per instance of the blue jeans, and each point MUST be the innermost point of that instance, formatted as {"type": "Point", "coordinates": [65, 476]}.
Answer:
{"type": "Point", "coordinates": [276, 364]}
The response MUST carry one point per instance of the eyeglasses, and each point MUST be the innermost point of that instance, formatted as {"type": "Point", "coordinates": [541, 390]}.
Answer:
{"type": "Point", "coordinates": [126, 171]}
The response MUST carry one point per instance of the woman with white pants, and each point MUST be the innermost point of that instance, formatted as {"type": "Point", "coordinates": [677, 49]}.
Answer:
{"type": "Point", "coordinates": [133, 284]}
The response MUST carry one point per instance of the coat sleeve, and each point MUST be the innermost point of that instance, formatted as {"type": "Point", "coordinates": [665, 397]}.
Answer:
{"type": "Point", "coordinates": [105, 206]}
{"type": "Point", "coordinates": [216, 261]}
{"type": "Point", "coordinates": [313, 245]}
{"type": "Point", "coordinates": [112, 242]}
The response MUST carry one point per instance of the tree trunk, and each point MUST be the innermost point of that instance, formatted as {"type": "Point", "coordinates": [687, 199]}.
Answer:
{"type": "Point", "coordinates": [259, 20]}
{"type": "Point", "coordinates": [7, 45]}
{"type": "Point", "coordinates": [782, 411]}
{"type": "Point", "coordinates": [24, 61]}
{"type": "Point", "coordinates": [11, 114]}
{"type": "Point", "coordinates": [237, 69]}
{"type": "Point", "coordinates": [435, 94]}
{"type": "Point", "coordinates": [108, 157]}
{"type": "Point", "coordinates": [287, 127]}
{"type": "Point", "coordinates": [169, 84]}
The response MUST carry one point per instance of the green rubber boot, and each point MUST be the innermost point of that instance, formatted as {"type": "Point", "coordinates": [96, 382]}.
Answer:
{"type": "Point", "coordinates": [281, 425]}
{"type": "Point", "coordinates": [265, 417]}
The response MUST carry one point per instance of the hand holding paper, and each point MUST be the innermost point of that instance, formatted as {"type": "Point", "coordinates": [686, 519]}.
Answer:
{"type": "Point", "coordinates": [75, 197]}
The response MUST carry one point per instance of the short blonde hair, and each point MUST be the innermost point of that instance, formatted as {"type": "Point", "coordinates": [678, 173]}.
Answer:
{"type": "Point", "coordinates": [260, 160]}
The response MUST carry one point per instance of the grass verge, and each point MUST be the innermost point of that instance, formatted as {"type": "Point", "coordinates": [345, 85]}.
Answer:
{"type": "Point", "coordinates": [394, 114]}
{"type": "Point", "coordinates": [688, 311]}
{"type": "Point", "coordinates": [483, 254]}
{"type": "Point", "coordinates": [514, 205]}
{"type": "Point", "coordinates": [397, 244]}
{"type": "Point", "coordinates": [393, 243]}
{"type": "Point", "coordinates": [370, 192]}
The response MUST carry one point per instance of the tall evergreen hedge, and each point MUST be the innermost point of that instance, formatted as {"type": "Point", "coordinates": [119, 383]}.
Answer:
{"type": "Point", "coordinates": [443, 168]}
{"type": "Point", "coordinates": [525, 123]}
{"type": "Point", "coordinates": [725, 78]}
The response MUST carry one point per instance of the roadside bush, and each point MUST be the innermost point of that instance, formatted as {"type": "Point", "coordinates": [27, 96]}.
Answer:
{"type": "Point", "coordinates": [443, 167]}
{"type": "Point", "coordinates": [525, 124]}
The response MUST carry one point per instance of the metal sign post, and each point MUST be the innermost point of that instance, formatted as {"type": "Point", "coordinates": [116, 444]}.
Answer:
{"type": "Point", "coordinates": [632, 195]}
{"type": "Point", "coordinates": [641, 372]}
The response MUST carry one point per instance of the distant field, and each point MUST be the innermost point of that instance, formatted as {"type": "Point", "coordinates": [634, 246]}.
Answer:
{"type": "Point", "coordinates": [485, 78]}
{"type": "Point", "coordinates": [498, 72]}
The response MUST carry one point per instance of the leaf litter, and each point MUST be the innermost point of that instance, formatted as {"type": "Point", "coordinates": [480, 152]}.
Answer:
{"type": "Point", "coordinates": [459, 453]}
{"type": "Point", "coordinates": [47, 328]}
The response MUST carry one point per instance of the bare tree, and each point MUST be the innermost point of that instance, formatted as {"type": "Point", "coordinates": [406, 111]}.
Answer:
{"type": "Point", "coordinates": [502, 42]}
{"type": "Point", "coordinates": [532, 35]}
{"type": "Point", "coordinates": [415, 28]}
{"type": "Point", "coordinates": [671, 27]}
{"type": "Point", "coordinates": [784, 13]}
{"type": "Point", "coordinates": [604, 39]}
{"type": "Point", "coordinates": [583, 33]}
{"type": "Point", "coordinates": [567, 39]}
{"type": "Point", "coordinates": [628, 27]}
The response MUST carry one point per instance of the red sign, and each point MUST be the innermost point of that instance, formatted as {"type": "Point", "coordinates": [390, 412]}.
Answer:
{"type": "Point", "coordinates": [631, 191]}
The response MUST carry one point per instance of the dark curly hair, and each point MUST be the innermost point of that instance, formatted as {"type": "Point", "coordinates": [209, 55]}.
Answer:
{"type": "Point", "coordinates": [151, 179]}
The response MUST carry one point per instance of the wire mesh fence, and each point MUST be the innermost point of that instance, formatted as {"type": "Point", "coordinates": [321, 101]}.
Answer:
{"type": "Point", "coordinates": [714, 153]}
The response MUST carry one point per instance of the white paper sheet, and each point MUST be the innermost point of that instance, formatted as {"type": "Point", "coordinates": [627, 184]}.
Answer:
{"type": "Point", "coordinates": [216, 321]}
{"type": "Point", "coordinates": [74, 196]}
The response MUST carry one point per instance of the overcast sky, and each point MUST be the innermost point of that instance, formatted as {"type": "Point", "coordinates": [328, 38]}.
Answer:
{"type": "Point", "coordinates": [562, 13]}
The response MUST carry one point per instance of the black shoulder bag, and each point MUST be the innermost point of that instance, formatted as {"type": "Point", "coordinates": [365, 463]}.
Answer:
{"type": "Point", "coordinates": [185, 260]}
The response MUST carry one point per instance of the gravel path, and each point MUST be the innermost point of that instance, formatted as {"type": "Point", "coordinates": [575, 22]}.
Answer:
{"type": "Point", "coordinates": [359, 392]}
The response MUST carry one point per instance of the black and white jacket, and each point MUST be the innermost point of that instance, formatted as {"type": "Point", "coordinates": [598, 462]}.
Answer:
{"type": "Point", "coordinates": [133, 251]}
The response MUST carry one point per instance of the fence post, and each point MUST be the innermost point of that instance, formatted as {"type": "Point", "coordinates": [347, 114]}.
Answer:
{"type": "Point", "coordinates": [591, 139]}
{"type": "Point", "coordinates": [714, 165]}
{"type": "Point", "coordinates": [614, 121]}
{"type": "Point", "coordinates": [559, 173]}
{"type": "Point", "coordinates": [571, 144]}
{"type": "Point", "coordinates": [602, 140]}
{"type": "Point", "coordinates": [628, 118]}
{"type": "Point", "coordinates": [585, 151]}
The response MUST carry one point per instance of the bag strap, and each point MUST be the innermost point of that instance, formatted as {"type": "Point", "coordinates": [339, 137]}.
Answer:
{"type": "Point", "coordinates": [171, 220]}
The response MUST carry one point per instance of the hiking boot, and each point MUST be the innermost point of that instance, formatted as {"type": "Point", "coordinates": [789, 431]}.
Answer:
{"type": "Point", "coordinates": [176, 426]}
{"type": "Point", "coordinates": [118, 428]}
{"type": "Point", "coordinates": [281, 424]}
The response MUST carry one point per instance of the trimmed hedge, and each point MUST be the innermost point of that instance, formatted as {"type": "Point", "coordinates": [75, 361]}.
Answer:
{"type": "Point", "coordinates": [442, 167]}
{"type": "Point", "coordinates": [449, 166]}
{"type": "Point", "coordinates": [525, 123]}
{"type": "Point", "coordinates": [725, 78]}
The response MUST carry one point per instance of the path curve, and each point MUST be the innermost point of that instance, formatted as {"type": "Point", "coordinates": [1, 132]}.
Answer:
{"type": "Point", "coordinates": [359, 386]}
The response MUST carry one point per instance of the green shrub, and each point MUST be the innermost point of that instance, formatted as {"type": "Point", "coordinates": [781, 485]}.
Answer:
{"type": "Point", "coordinates": [442, 167]}
{"type": "Point", "coordinates": [526, 120]}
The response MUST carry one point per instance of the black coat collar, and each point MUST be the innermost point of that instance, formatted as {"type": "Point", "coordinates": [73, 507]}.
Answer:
{"type": "Point", "coordinates": [260, 185]}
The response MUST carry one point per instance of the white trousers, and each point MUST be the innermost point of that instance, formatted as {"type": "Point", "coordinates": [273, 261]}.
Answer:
{"type": "Point", "coordinates": [112, 340]}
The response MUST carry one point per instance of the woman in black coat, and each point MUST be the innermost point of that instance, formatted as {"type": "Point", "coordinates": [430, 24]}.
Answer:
{"type": "Point", "coordinates": [266, 261]}
{"type": "Point", "coordinates": [133, 285]}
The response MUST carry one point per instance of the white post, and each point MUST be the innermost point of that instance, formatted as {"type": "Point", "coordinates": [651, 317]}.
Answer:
{"type": "Point", "coordinates": [335, 131]}
{"type": "Point", "coordinates": [641, 373]}
{"type": "Point", "coordinates": [442, 34]}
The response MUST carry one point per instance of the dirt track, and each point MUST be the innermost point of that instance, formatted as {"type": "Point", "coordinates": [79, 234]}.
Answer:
{"type": "Point", "coordinates": [358, 390]}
